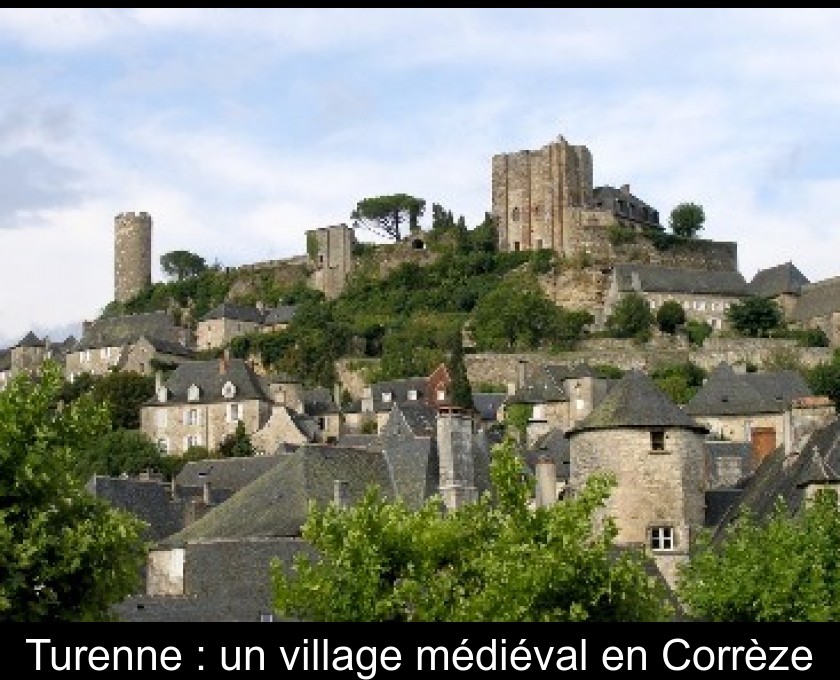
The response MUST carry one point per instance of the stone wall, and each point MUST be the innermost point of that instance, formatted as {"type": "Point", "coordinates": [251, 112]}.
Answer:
{"type": "Point", "coordinates": [757, 351]}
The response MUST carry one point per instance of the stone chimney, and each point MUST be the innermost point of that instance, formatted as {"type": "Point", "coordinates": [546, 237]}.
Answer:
{"type": "Point", "coordinates": [341, 494]}
{"type": "Point", "coordinates": [158, 381]}
{"type": "Point", "coordinates": [337, 394]}
{"type": "Point", "coordinates": [224, 361]}
{"type": "Point", "coordinates": [546, 493]}
{"type": "Point", "coordinates": [205, 492]}
{"type": "Point", "coordinates": [625, 189]}
{"type": "Point", "coordinates": [521, 373]}
{"type": "Point", "coordinates": [455, 456]}
{"type": "Point", "coordinates": [805, 416]}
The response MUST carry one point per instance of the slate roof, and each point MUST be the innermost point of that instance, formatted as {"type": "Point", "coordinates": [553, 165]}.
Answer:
{"type": "Point", "coordinates": [487, 404]}
{"type": "Point", "coordinates": [554, 444]}
{"type": "Point", "coordinates": [280, 314]}
{"type": "Point", "coordinates": [371, 442]}
{"type": "Point", "coordinates": [116, 331]}
{"type": "Point", "coordinates": [607, 196]}
{"type": "Point", "coordinates": [540, 388]}
{"type": "Point", "coordinates": [636, 401]}
{"type": "Point", "coordinates": [318, 401]}
{"type": "Point", "coordinates": [783, 278]}
{"type": "Point", "coordinates": [30, 340]}
{"type": "Point", "coordinates": [210, 379]}
{"type": "Point", "coordinates": [276, 503]}
{"type": "Point", "coordinates": [420, 418]}
{"type": "Point", "coordinates": [785, 477]}
{"type": "Point", "coordinates": [727, 393]}
{"type": "Point", "coordinates": [654, 279]}
{"type": "Point", "coordinates": [235, 312]}
{"type": "Point", "coordinates": [399, 390]}
{"type": "Point", "coordinates": [169, 347]}
{"type": "Point", "coordinates": [226, 473]}
{"type": "Point", "coordinates": [817, 299]}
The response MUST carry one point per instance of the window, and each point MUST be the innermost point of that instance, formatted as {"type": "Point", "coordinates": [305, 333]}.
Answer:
{"type": "Point", "coordinates": [84, 357]}
{"type": "Point", "coordinates": [538, 412]}
{"type": "Point", "coordinates": [234, 413]}
{"type": "Point", "coordinates": [193, 417]}
{"type": "Point", "coordinates": [192, 440]}
{"type": "Point", "coordinates": [105, 353]}
{"type": "Point", "coordinates": [160, 418]}
{"type": "Point", "coordinates": [652, 304]}
{"type": "Point", "coordinates": [514, 214]}
{"type": "Point", "coordinates": [163, 445]}
{"type": "Point", "coordinates": [412, 395]}
{"type": "Point", "coordinates": [657, 440]}
{"type": "Point", "coordinates": [516, 246]}
{"type": "Point", "coordinates": [386, 397]}
{"type": "Point", "coordinates": [162, 394]}
{"type": "Point", "coordinates": [193, 393]}
{"type": "Point", "coordinates": [229, 390]}
{"type": "Point", "coordinates": [717, 324]}
{"type": "Point", "coordinates": [441, 395]}
{"type": "Point", "coordinates": [662, 538]}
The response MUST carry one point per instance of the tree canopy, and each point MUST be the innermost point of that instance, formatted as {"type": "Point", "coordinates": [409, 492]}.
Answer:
{"type": "Point", "coordinates": [493, 560]}
{"type": "Point", "coordinates": [630, 317]}
{"type": "Point", "coordinates": [64, 554]}
{"type": "Point", "coordinates": [182, 264]}
{"type": "Point", "coordinates": [786, 569]}
{"type": "Point", "coordinates": [754, 316]}
{"type": "Point", "coordinates": [387, 214]}
{"type": "Point", "coordinates": [687, 219]}
{"type": "Point", "coordinates": [670, 316]}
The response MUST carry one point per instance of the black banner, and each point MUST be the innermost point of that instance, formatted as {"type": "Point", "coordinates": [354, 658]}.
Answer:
{"type": "Point", "coordinates": [373, 650]}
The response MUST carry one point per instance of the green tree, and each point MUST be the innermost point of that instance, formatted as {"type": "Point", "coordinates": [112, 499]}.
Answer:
{"type": "Point", "coordinates": [784, 569]}
{"type": "Point", "coordinates": [679, 381]}
{"type": "Point", "coordinates": [754, 316]}
{"type": "Point", "coordinates": [492, 560]}
{"type": "Point", "coordinates": [387, 214]}
{"type": "Point", "coordinates": [64, 554]}
{"type": "Point", "coordinates": [118, 452]}
{"type": "Point", "coordinates": [670, 316]}
{"type": "Point", "coordinates": [687, 219]}
{"type": "Point", "coordinates": [630, 318]}
{"type": "Point", "coordinates": [237, 444]}
{"type": "Point", "coordinates": [182, 264]}
{"type": "Point", "coordinates": [125, 392]}
{"type": "Point", "coordinates": [824, 379]}
{"type": "Point", "coordinates": [460, 387]}
{"type": "Point", "coordinates": [697, 332]}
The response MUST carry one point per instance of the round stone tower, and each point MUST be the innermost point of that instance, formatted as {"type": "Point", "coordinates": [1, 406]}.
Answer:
{"type": "Point", "coordinates": [132, 254]}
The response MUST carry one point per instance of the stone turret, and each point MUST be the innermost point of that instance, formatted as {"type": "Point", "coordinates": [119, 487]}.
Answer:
{"type": "Point", "coordinates": [132, 254]}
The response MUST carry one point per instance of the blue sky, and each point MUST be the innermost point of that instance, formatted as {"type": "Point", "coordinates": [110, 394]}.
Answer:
{"type": "Point", "coordinates": [238, 130]}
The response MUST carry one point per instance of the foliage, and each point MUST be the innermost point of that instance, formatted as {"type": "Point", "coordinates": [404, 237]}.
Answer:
{"type": "Point", "coordinates": [460, 389]}
{"type": "Point", "coordinates": [631, 317]}
{"type": "Point", "coordinates": [516, 419]}
{"type": "Point", "coordinates": [518, 316]}
{"type": "Point", "coordinates": [492, 560]}
{"type": "Point", "coordinates": [619, 235]}
{"type": "Point", "coordinates": [697, 332]}
{"type": "Point", "coordinates": [124, 392]}
{"type": "Point", "coordinates": [785, 569]}
{"type": "Point", "coordinates": [386, 214]}
{"type": "Point", "coordinates": [608, 371]}
{"type": "Point", "coordinates": [312, 246]}
{"type": "Point", "coordinates": [237, 444]}
{"type": "Point", "coordinates": [754, 316]}
{"type": "Point", "coordinates": [670, 316]}
{"type": "Point", "coordinates": [64, 554]}
{"type": "Point", "coordinates": [687, 219]}
{"type": "Point", "coordinates": [824, 379]}
{"type": "Point", "coordinates": [782, 359]}
{"type": "Point", "coordinates": [120, 452]}
{"type": "Point", "coordinates": [805, 337]}
{"type": "Point", "coordinates": [679, 381]}
{"type": "Point", "coordinates": [418, 346]}
{"type": "Point", "coordinates": [542, 261]}
{"type": "Point", "coordinates": [182, 264]}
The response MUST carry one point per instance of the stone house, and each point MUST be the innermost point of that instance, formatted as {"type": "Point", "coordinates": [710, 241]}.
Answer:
{"type": "Point", "coordinates": [748, 407]}
{"type": "Point", "coordinates": [225, 322]}
{"type": "Point", "coordinates": [27, 355]}
{"type": "Point", "coordinates": [782, 284]}
{"type": "Point", "coordinates": [704, 295]}
{"type": "Point", "coordinates": [378, 399]}
{"type": "Point", "coordinates": [657, 454]}
{"type": "Point", "coordinates": [278, 318]}
{"type": "Point", "coordinates": [138, 342]}
{"type": "Point", "coordinates": [818, 306]}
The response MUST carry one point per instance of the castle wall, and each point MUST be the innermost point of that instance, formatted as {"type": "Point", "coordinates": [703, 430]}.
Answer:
{"type": "Point", "coordinates": [132, 254]}
{"type": "Point", "coordinates": [330, 250]}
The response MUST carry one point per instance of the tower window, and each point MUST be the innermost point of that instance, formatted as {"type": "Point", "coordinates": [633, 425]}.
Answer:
{"type": "Point", "coordinates": [514, 214]}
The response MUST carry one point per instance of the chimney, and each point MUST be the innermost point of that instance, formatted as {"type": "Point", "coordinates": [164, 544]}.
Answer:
{"type": "Point", "coordinates": [625, 189]}
{"type": "Point", "coordinates": [260, 305]}
{"type": "Point", "coordinates": [521, 373]}
{"type": "Point", "coordinates": [341, 494]}
{"type": "Point", "coordinates": [455, 456]}
{"type": "Point", "coordinates": [224, 361]}
{"type": "Point", "coordinates": [546, 494]}
{"type": "Point", "coordinates": [173, 488]}
{"type": "Point", "coordinates": [205, 492]}
{"type": "Point", "coordinates": [337, 394]}
{"type": "Point", "coordinates": [158, 381]}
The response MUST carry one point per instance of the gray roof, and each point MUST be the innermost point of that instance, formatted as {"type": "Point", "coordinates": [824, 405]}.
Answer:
{"type": "Point", "coordinates": [210, 376]}
{"type": "Point", "coordinates": [606, 196]}
{"type": "Point", "coordinates": [817, 299]}
{"type": "Point", "coordinates": [276, 503]}
{"type": "Point", "coordinates": [554, 444]}
{"type": "Point", "coordinates": [398, 390]}
{"type": "Point", "coordinates": [116, 331]}
{"type": "Point", "coordinates": [318, 401]}
{"type": "Point", "coordinates": [667, 280]}
{"type": "Point", "coordinates": [235, 312]}
{"type": "Point", "coordinates": [781, 476]}
{"type": "Point", "coordinates": [420, 418]}
{"type": "Point", "coordinates": [280, 314]}
{"type": "Point", "coordinates": [487, 404]}
{"type": "Point", "coordinates": [727, 393]}
{"type": "Point", "coordinates": [360, 441]}
{"type": "Point", "coordinates": [636, 401]}
{"type": "Point", "coordinates": [226, 473]}
{"type": "Point", "coordinates": [540, 387]}
{"type": "Point", "coordinates": [30, 340]}
{"type": "Point", "coordinates": [169, 347]}
{"type": "Point", "coordinates": [783, 278]}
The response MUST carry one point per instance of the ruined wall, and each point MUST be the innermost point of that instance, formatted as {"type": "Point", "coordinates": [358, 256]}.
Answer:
{"type": "Point", "coordinates": [330, 252]}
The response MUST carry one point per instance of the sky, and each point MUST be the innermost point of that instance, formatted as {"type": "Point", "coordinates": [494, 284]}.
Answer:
{"type": "Point", "coordinates": [239, 129]}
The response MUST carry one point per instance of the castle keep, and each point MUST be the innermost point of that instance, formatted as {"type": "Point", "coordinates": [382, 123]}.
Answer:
{"type": "Point", "coordinates": [132, 254]}
{"type": "Point", "coordinates": [545, 198]}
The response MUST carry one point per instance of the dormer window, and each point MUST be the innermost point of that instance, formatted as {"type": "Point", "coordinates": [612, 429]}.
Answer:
{"type": "Point", "coordinates": [162, 394]}
{"type": "Point", "coordinates": [386, 397]}
{"type": "Point", "coordinates": [193, 393]}
{"type": "Point", "coordinates": [229, 390]}
{"type": "Point", "coordinates": [412, 395]}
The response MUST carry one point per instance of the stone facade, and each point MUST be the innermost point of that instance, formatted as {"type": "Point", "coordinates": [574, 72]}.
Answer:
{"type": "Point", "coordinates": [330, 251]}
{"type": "Point", "coordinates": [96, 361]}
{"type": "Point", "coordinates": [132, 254]}
{"type": "Point", "coordinates": [213, 333]}
{"type": "Point", "coordinates": [656, 489]}
{"type": "Point", "coordinates": [176, 427]}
